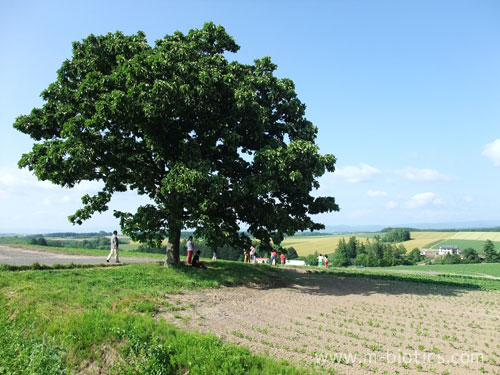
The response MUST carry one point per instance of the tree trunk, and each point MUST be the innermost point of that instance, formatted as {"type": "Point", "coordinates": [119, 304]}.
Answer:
{"type": "Point", "coordinates": [173, 245]}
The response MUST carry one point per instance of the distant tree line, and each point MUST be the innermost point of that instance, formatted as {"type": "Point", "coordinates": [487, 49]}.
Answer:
{"type": "Point", "coordinates": [490, 229]}
{"type": "Point", "coordinates": [76, 235]}
{"type": "Point", "coordinates": [99, 243]}
{"type": "Point", "coordinates": [397, 235]}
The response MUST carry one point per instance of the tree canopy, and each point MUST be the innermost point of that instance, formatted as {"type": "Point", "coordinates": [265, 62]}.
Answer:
{"type": "Point", "coordinates": [213, 143]}
{"type": "Point", "coordinates": [397, 235]}
{"type": "Point", "coordinates": [490, 253]}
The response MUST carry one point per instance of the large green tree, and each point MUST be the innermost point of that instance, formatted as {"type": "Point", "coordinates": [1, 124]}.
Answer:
{"type": "Point", "coordinates": [490, 254]}
{"type": "Point", "coordinates": [213, 143]}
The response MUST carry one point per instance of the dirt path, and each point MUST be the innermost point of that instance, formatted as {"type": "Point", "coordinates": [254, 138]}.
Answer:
{"type": "Point", "coordinates": [356, 325]}
{"type": "Point", "coordinates": [18, 256]}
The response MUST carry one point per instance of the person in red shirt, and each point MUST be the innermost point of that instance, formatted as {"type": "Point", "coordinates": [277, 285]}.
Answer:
{"type": "Point", "coordinates": [282, 257]}
{"type": "Point", "coordinates": [326, 261]}
{"type": "Point", "coordinates": [274, 257]}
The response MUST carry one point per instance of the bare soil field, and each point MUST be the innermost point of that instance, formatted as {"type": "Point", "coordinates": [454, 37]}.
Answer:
{"type": "Point", "coordinates": [353, 325]}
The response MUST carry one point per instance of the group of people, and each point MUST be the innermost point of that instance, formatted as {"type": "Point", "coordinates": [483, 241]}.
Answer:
{"type": "Point", "coordinates": [194, 259]}
{"type": "Point", "coordinates": [323, 260]}
{"type": "Point", "coordinates": [249, 256]}
{"type": "Point", "coordinates": [274, 258]}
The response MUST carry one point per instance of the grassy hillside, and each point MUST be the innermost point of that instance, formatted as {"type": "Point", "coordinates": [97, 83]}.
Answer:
{"type": "Point", "coordinates": [478, 236]}
{"type": "Point", "coordinates": [104, 320]}
{"type": "Point", "coordinates": [477, 245]}
{"type": "Point", "coordinates": [422, 239]}
{"type": "Point", "coordinates": [481, 269]}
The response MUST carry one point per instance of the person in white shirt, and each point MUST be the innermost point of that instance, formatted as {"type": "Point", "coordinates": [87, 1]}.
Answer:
{"type": "Point", "coordinates": [114, 247]}
{"type": "Point", "coordinates": [320, 260]}
{"type": "Point", "coordinates": [190, 248]}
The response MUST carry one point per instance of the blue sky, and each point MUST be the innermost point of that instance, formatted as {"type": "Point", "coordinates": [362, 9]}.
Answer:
{"type": "Point", "coordinates": [405, 94]}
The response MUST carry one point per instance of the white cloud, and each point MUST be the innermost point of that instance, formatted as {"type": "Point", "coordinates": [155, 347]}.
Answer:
{"type": "Point", "coordinates": [376, 193]}
{"type": "Point", "coordinates": [492, 152]}
{"type": "Point", "coordinates": [64, 199]}
{"type": "Point", "coordinates": [422, 175]}
{"type": "Point", "coordinates": [392, 204]}
{"type": "Point", "coordinates": [468, 198]}
{"type": "Point", "coordinates": [15, 178]}
{"type": "Point", "coordinates": [353, 173]}
{"type": "Point", "coordinates": [423, 199]}
{"type": "Point", "coordinates": [32, 206]}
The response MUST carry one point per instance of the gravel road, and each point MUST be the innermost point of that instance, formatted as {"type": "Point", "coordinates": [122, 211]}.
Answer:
{"type": "Point", "coordinates": [18, 256]}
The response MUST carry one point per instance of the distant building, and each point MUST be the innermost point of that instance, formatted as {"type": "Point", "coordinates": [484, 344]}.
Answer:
{"type": "Point", "coordinates": [452, 249]}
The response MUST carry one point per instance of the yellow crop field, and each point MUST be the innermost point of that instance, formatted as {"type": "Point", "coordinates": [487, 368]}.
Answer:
{"type": "Point", "coordinates": [308, 245]}
{"type": "Point", "coordinates": [421, 239]}
{"type": "Point", "coordinates": [478, 236]}
{"type": "Point", "coordinates": [328, 244]}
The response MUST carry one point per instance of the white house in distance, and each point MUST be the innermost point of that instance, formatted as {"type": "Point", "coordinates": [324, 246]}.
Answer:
{"type": "Point", "coordinates": [448, 249]}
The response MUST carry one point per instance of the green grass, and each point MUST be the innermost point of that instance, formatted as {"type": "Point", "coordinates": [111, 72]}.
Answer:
{"type": "Point", "coordinates": [481, 269]}
{"type": "Point", "coordinates": [441, 276]}
{"type": "Point", "coordinates": [59, 321]}
{"type": "Point", "coordinates": [129, 247]}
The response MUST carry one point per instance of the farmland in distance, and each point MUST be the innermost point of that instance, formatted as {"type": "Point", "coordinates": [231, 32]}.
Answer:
{"type": "Point", "coordinates": [305, 245]}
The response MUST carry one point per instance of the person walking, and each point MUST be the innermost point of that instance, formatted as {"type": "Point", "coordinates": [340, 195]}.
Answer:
{"type": "Point", "coordinates": [114, 247]}
{"type": "Point", "coordinates": [190, 249]}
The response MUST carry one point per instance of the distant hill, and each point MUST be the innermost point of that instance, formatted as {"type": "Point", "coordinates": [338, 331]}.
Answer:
{"type": "Point", "coordinates": [473, 226]}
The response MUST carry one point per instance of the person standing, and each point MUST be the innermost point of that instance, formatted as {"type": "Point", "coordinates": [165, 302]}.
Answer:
{"type": "Point", "coordinates": [214, 255]}
{"type": "Point", "coordinates": [326, 260]}
{"type": "Point", "coordinates": [320, 260]}
{"type": "Point", "coordinates": [114, 247]}
{"type": "Point", "coordinates": [282, 258]}
{"type": "Point", "coordinates": [190, 248]}
{"type": "Point", "coordinates": [274, 258]}
{"type": "Point", "coordinates": [246, 256]}
{"type": "Point", "coordinates": [252, 254]}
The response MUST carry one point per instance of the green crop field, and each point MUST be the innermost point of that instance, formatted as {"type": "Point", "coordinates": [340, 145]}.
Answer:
{"type": "Point", "coordinates": [481, 269]}
{"type": "Point", "coordinates": [477, 245]}
{"type": "Point", "coordinates": [306, 245]}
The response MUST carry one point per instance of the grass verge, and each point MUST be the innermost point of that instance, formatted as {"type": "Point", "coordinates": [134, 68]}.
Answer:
{"type": "Point", "coordinates": [104, 320]}
{"type": "Point", "coordinates": [445, 279]}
